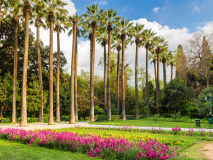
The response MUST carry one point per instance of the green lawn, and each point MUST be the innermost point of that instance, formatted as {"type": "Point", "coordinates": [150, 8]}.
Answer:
{"type": "Point", "coordinates": [149, 123]}
{"type": "Point", "coordinates": [17, 151]}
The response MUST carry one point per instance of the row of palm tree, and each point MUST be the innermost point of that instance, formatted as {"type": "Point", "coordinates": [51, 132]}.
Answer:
{"type": "Point", "coordinates": [107, 28]}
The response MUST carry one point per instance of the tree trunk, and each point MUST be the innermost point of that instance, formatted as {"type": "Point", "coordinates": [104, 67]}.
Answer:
{"type": "Point", "coordinates": [105, 72]}
{"type": "Point", "coordinates": [23, 121]}
{"type": "Point", "coordinates": [147, 79]}
{"type": "Point", "coordinates": [92, 114]}
{"type": "Point", "coordinates": [1, 115]}
{"type": "Point", "coordinates": [207, 82]}
{"type": "Point", "coordinates": [76, 77]}
{"type": "Point", "coordinates": [137, 40]}
{"type": "Point", "coordinates": [1, 2]}
{"type": "Point", "coordinates": [109, 28]}
{"type": "Point", "coordinates": [38, 24]}
{"type": "Point", "coordinates": [15, 21]}
{"type": "Point", "coordinates": [118, 65]}
{"type": "Point", "coordinates": [123, 36]}
{"type": "Point", "coordinates": [158, 80]}
{"type": "Point", "coordinates": [164, 71]}
{"type": "Point", "coordinates": [51, 120]}
{"type": "Point", "coordinates": [155, 70]}
{"type": "Point", "coordinates": [58, 27]}
{"type": "Point", "coordinates": [72, 107]}
{"type": "Point", "coordinates": [171, 64]}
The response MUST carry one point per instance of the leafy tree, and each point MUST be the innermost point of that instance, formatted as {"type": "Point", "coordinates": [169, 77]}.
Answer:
{"type": "Point", "coordinates": [33, 97]}
{"type": "Point", "coordinates": [175, 97]}
{"type": "Point", "coordinates": [202, 103]}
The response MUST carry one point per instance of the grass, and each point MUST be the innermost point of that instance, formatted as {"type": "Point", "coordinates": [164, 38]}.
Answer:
{"type": "Point", "coordinates": [13, 150]}
{"type": "Point", "coordinates": [149, 123]}
{"type": "Point", "coordinates": [196, 151]}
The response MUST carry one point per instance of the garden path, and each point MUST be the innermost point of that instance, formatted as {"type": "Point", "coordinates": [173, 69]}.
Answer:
{"type": "Point", "coordinates": [208, 150]}
{"type": "Point", "coordinates": [32, 126]}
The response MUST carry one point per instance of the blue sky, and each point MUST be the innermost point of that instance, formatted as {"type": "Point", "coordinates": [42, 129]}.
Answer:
{"type": "Point", "coordinates": [174, 13]}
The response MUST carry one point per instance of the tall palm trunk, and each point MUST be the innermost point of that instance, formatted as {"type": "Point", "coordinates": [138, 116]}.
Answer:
{"type": "Point", "coordinates": [109, 28]}
{"type": "Point", "coordinates": [147, 79]}
{"type": "Point", "coordinates": [72, 106]}
{"type": "Point", "coordinates": [58, 28]}
{"type": "Point", "coordinates": [118, 65]}
{"type": "Point", "coordinates": [1, 2]}
{"type": "Point", "coordinates": [164, 71]}
{"type": "Point", "coordinates": [51, 18]}
{"type": "Point", "coordinates": [137, 41]}
{"type": "Point", "coordinates": [154, 61]}
{"type": "Point", "coordinates": [76, 76]}
{"type": "Point", "coordinates": [158, 80]}
{"type": "Point", "coordinates": [123, 36]}
{"type": "Point", "coordinates": [38, 24]}
{"type": "Point", "coordinates": [105, 72]}
{"type": "Point", "coordinates": [171, 64]}
{"type": "Point", "coordinates": [15, 21]}
{"type": "Point", "coordinates": [23, 121]}
{"type": "Point", "coordinates": [92, 114]}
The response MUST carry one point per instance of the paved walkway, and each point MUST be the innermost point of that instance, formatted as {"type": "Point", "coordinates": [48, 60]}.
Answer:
{"type": "Point", "coordinates": [32, 126]}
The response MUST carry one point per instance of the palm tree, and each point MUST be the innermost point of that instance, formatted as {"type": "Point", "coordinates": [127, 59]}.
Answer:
{"type": "Point", "coordinates": [171, 61]}
{"type": "Point", "coordinates": [91, 16]}
{"type": "Point", "coordinates": [60, 18]}
{"type": "Point", "coordinates": [117, 45]}
{"type": "Point", "coordinates": [164, 53]}
{"type": "Point", "coordinates": [39, 11]}
{"type": "Point", "coordinates": [102, 38]}
{"type": "Point", "coordinates": [159, 43]}
{"type": "Point", "coordinates": [1, 2]}
{"type": "Point", "coordinates": [147, 36]}
{"type": "Point", "coordinates": [51, 18]}
{"type": "Point", "coordinates": [72, 107]}
{"type": "Point", "coordinates": [68, 25]}
{"type": "Point", "coordinates": [108, 19]}
{"type": "Point", "coordinates": [27, 11]}
{"type": "Point", "coordinates": [153, 58]}
{"type": "Point", "coordinates": [136, 31]}
{"type": "Point", "coordinates": [124, 27]}
{"type": "Point", "coordinates": [15, 7]}
{"type": "Point", "coordinates": [54, 7]}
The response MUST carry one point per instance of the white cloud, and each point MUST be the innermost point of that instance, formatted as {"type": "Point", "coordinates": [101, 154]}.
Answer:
{"type": "Point", "coordinates": [102, 3]}
{"type": "Point", "coordinates": [196, 9]}
{"type": "Point", "coordinates": [156, 9]}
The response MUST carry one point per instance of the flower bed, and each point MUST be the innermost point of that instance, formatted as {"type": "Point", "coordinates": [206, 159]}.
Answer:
{"type": "Point", "coordinates": [93, 145]}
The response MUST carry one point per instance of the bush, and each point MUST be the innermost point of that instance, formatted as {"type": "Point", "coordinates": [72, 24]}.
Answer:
{"type": "Point", "coordinates": [5, 120]}
{"type": "Point", "coordinates": [65, 118]}
{"type": "Point", "coordinates": [98, 110]}
{"type": "Point", "coordinates": [30, 120]}
{"type": "Point", "coordinates": [130, 117]}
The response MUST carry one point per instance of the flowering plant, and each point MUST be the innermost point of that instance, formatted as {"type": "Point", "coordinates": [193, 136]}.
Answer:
{"type": "Point", "coordinates": [176, 130]}
{"type": "Point", "coordinates": [93, 145]}
{"type": "Point", "coordinates": [191, 132]}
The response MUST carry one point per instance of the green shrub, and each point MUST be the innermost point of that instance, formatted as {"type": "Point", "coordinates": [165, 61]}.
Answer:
{"type": "Point", "coordinates": [130, 117]}
{"type": "Point", "coordinates": [87, 118]}
{"type": "Point", "coordinates": [81, 118]}
{"type": "Point", "coordinates": [65, 118]}
{"type": "Point", "coordinates": [116, 117]}
{"type": "Point", "coordinates": [101, 117]}
{"type": "Point", "coordinates": [5, 120]}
